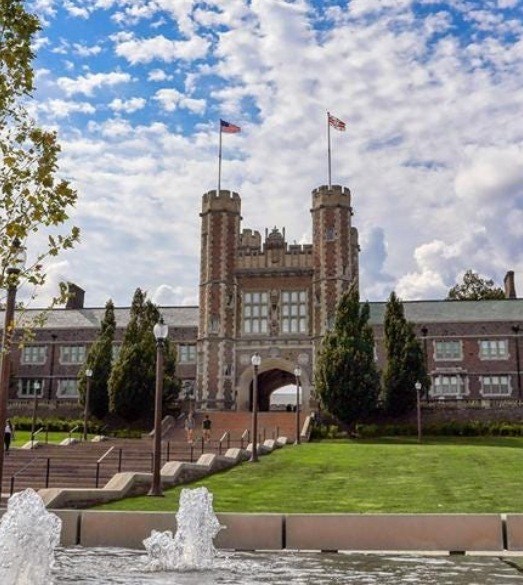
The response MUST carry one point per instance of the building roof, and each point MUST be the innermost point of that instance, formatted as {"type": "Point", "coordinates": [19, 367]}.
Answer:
{"type": "Point", "coordinates": [91, 317]}
{"type": "Point", "coordinates": [454, 311]}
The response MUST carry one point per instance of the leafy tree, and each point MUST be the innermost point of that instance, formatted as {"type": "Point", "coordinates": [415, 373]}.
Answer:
{"type": "Point", "coordinates": [475, 288]}
{"type": "Point", "coordinates": [99, 360]}
{"type": "Point", "coordinates": [32, 198]}
{"type": "Point", "coordinates": [346, 376]}
{"type": "Point", "coordinates": [132, 381]}
{"type": "Point", "coordinates": [405, 360]}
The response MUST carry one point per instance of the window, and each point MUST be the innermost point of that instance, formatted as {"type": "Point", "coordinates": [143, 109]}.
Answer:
{"type": "Point", "coordinates": [72, 354]}
{"type": "Point", "coordinates": [448, 350]}
{"type": "Point", "coordinates": [67, 388]}
{"type": "Point", "coordinates": [495, 386]}
{"type": "Point", "coordinates": [34, 354]}
{"type": "Point", "coordinates": [330, 234]}
{"type": "Point", "coordinates": [294, 311]}
{"type": "Point", "coordinates": [451, 385]}
{"type": "Point", "coordinates": [115, 351]}
{"type": "Point", "coordinates": [255, 312]}
{"type": "Point", "coordinates": [187, 353]}
{"type": "Point", "coordinates": [28, 386]}
{"type": "Point", "coordinates": [493, 349]}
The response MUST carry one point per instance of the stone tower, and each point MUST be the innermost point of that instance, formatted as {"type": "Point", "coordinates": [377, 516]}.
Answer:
{"type": "Point", "coordinates": [335, 252]}
{"type": "Point", "coordinates": [220, 232]}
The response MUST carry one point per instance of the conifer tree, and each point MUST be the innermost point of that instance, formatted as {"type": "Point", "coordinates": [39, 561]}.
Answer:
{"type": "Point", "coordinates": [405, 360]}
{"type": "Point", "coordinates": [99, 360]}
{"type": "Point", "coordinates": [346, 376]}
{"type": "Point", "coordinates": [132, 381]}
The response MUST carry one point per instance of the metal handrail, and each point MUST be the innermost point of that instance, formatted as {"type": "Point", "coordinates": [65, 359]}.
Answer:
{"type": "Point", "coordinates": [97, 480]}
{"type": "Point", "coordinates": [34, 435]}
{"type": "Point", "coordinates": [13, 477]}
{"type": "Point", "coordinates": [72, 431]}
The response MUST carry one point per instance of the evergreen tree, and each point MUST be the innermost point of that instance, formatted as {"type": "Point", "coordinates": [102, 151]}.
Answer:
{"type": "Point", "coordinates": [99, 360]}
{"type": "Point", "coordinates": [346, 376]}
{"type": "Point", "coordinates": [132, 381]}
{"type": "Point", "coordinates": [405, 360]}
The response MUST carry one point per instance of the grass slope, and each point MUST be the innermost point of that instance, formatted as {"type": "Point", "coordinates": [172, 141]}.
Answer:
{"type": "Point", "coordinates": [396, 475]}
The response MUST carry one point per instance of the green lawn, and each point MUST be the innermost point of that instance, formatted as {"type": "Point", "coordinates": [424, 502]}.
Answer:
{"type": "Point", "coordinates": [389, 475]}
{"type": "Point", "coordinates": [23, 437]}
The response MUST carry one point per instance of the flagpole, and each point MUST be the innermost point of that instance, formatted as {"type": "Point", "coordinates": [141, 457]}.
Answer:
{"type": "Point", "coordinates": [329, 149]}
{"type": "Point", "coordinates": [220, 162]}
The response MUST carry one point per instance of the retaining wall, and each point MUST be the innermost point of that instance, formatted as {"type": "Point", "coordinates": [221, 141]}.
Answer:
{"type": "Point", "coordinates": [321, 532]}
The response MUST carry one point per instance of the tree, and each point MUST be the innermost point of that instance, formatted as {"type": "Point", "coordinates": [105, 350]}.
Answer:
{"type": "Point", "coordinates": [99, 360]}
{"type": "Point", "coordinates": [475, 288]}
{"type": "Point", "coordinates": [32, 198]}
{"type": "Point", "coordinates": [346, 376]}
{"type": "Point", "coordinates": [132, 380]}
{"type": "Point", "coordinates": [405, 360]}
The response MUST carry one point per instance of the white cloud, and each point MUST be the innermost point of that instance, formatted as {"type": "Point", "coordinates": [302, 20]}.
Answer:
{"type": "Point", "coordinates": [160, 48]}
{"type": "Point", "coordinates": [128, 106]}
{"type": "Point", "coordinates": [57, 108]}
{"type": "Point", "coordinates": [85, 51]}
{"type": "Point", "coordinates": [76, 10]}
{"type": "Point", "coordinates": [158, 75]}
{"type": "Point", "coordinates": [87, 84]}
{"type": "Point", "coordinates": [171, 99]}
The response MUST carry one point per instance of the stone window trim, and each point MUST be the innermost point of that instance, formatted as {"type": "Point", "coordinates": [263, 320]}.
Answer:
{"type": "Point", "coordinates": [26, 387]}
{"type": "Point", "coordinates": [33, 355]}
{"type": "Point", "coordinates": [446, 350]}
{"type": "Point", "coordinates": [493, 349]}
{"type": "Point", "coordinates": [67, 388]}
{"type": "Point", "coordinates": [449, 385]}
{"type": "Point", "coordinates": [495, 385]}
{"type": "Point", "coordinates": [72, 354]}
{"type": "Point", "coordinates": [294, 312]}
{"type": "Point", "coordinates": [255, 313]}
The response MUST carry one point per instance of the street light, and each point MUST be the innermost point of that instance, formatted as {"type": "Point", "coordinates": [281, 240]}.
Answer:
{"type": "Point", "coordinates": [17, 258]}
{"type": "Point", "coordinates": [297, 374]}
{"type": "Point", "coordinates": [516, 330]}
{"type": "Point", "coordinates": [418, 408]}
{"type": "Point", "coordinates": [424, 332]}
{"type": "Point", "coordinates": [88, 376]}
{"type": "Point", "coordinates": [255, 361]}
{"type": "Point", "coordinates": [160, 331]}
{"type": "Point", "coordinates": [36, 390]}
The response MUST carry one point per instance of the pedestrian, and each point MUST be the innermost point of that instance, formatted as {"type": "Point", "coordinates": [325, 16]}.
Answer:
{"type": "Point", "coordinates": [206, 425]}
{"type": "Point", "coordinates": [8, 435]}
{"type": "Point", "coordinates": [189, 427]}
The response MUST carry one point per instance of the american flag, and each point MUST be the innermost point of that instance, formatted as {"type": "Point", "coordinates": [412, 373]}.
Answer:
{"type": "Point", "coordinates": [229, 128]}
{"type": "Point", "coordinates": [337, 123]}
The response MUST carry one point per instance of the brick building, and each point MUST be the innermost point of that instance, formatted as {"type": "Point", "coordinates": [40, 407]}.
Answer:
{"type": "Point", "coordinates": [268, 296]}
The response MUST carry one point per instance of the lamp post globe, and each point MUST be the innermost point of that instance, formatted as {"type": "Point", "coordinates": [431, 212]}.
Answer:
{"type": "Point", "coordinates": [256, 362]}
{"type": "Point", "coordinates": [160, 332]}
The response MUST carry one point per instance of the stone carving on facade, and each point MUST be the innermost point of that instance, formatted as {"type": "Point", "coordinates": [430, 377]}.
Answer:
{"type": "Point", "coordinates": [274, 322]}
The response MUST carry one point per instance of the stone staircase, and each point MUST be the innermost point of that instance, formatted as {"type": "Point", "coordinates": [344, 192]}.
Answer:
{"type": "Point", "coordinates": [92, 464]}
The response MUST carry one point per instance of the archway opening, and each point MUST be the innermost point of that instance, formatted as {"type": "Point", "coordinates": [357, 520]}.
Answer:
{"type": "Point", "coordinates": [270, 382]}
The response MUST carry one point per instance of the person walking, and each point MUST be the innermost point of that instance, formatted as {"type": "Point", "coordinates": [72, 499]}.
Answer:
{"type": "Point", "coordinates": [8, 435]}
{"type": "Point", "coordinates": [206, 426]}
{"type": "Point", "coordinates": [189, 427]}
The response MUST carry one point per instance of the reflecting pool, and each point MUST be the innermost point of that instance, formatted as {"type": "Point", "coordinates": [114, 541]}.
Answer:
{"type": "Point", "coordinates": [111, 566]}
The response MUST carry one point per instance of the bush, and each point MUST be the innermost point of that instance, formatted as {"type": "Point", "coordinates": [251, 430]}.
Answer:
{"type": "Point", "coordinates": [472, 428]}
{"type": "Point", "coordinates": [59, 425]}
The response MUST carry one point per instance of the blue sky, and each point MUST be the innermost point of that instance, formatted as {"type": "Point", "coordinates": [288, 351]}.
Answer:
{"type": "Point", "coordinates": [431, 92]}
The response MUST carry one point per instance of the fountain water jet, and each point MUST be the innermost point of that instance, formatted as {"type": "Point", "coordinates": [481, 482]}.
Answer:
{"type": "Point", "coordinates": [192, 547]}
{"type": "Point", "coordinates": [29, 535]}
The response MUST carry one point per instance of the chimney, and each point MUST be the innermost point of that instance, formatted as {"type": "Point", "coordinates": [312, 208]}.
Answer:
{"type": "Point", "coordinates": [510, 287]}
{"type": "Point", "coordinates": [76, 296]}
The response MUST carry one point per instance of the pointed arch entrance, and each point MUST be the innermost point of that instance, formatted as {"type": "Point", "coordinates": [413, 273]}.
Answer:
{"type": "Point", "coordinates": [273, 373]}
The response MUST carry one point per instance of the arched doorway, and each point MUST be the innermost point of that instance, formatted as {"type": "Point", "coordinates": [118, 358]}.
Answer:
{"type": "Point", "coordinates": [273, 374]}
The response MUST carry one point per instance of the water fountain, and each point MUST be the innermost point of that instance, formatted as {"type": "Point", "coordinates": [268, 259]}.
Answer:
{"type": "Point", "coordinates": [192, 547]}
{"type": "Point", "coordinates": [29, 535]}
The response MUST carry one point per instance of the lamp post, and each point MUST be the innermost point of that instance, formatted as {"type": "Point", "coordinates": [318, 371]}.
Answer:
{"type": "Point", "coordinates": [297, 374]}
{"type": "Point", "coordinates": [36, 390]}
{"type": "Point", "coordinates": [255, 361]}
{"type": "Point", "coordinates": [88, 376]}
{"type": "Point", "coordinates": [160, 331]}
{"type": "Point", "coordinates": [418, 408]}
{"type": "Point", "coordinates": [17, 258]}
{"type": "Point", "coordinates": [516, 330]}
{"type": "Point", "coordinates": [424, 332]}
